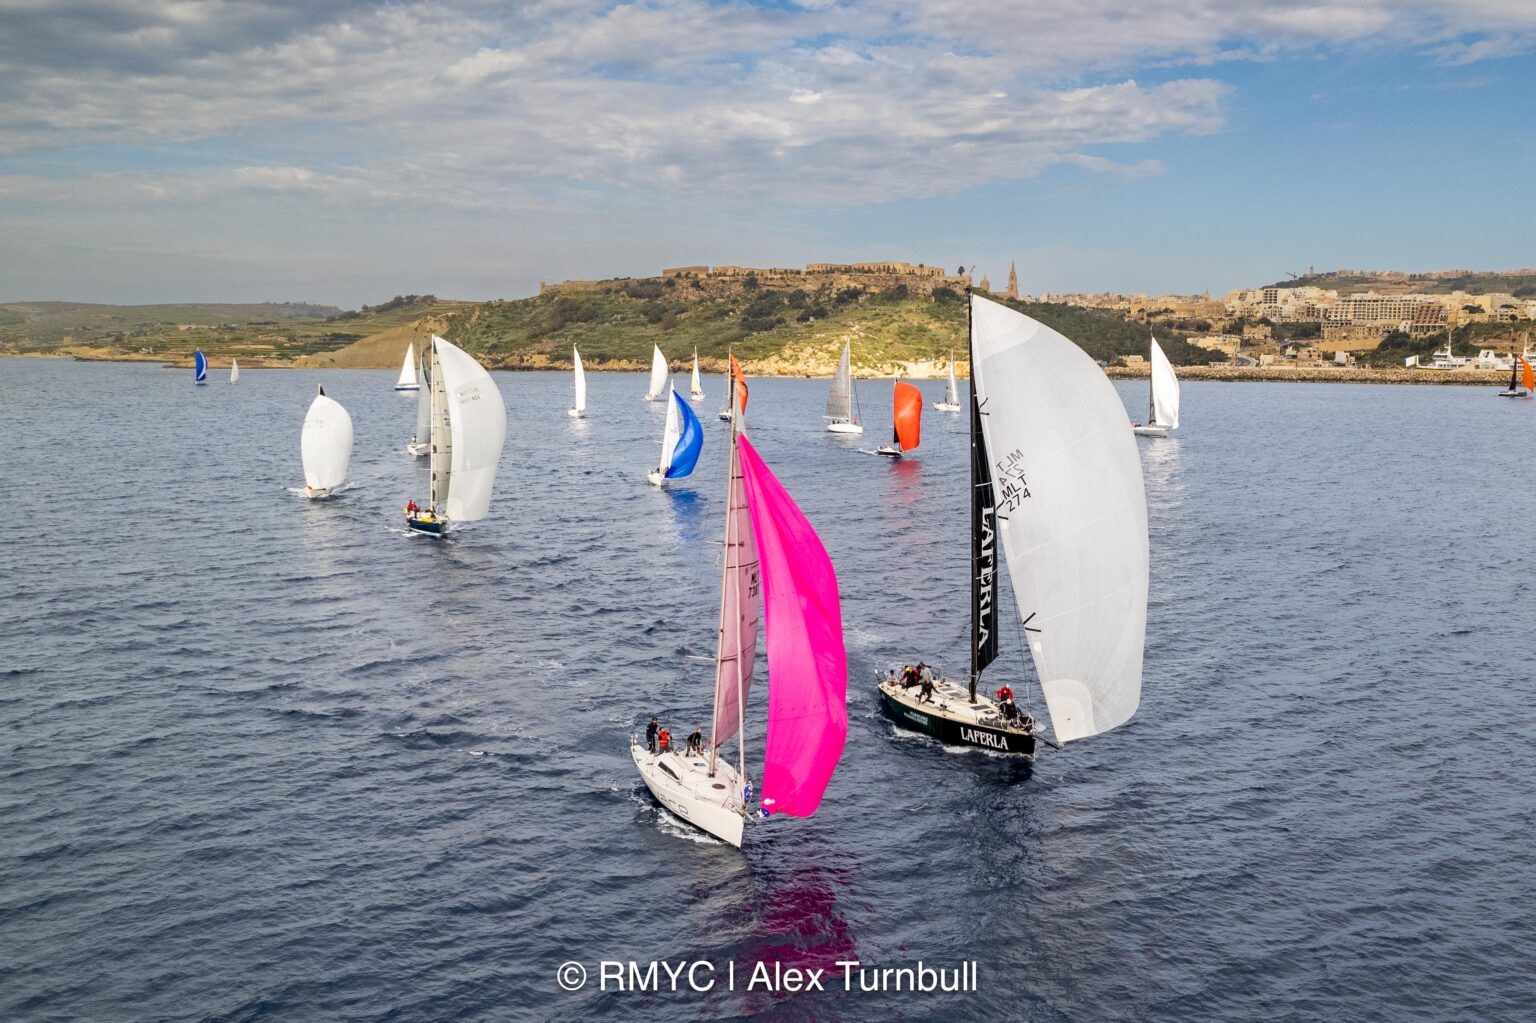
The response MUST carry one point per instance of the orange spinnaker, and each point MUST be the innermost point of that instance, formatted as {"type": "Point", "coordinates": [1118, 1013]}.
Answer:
{"type": "Point", "coordinates": [1529, 380]}
{"type": "Point", "coordinates": [908, 413]}
{"type": "Point", "coordinates": [741, 381]}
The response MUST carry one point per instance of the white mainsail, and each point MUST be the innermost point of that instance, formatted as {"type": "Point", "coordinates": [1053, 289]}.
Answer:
{"type": "Point", "coordinates": [1072, 511]}
{"type": "Point", "coordinates": [477, 423]}
{"type": "Point", "coordinates": [952, 392]}
{"type": "Point", "coordinates": [658, 375]}
{"type": "Point", "coordinates": [736, 648]}
{"type": "Point", "coordinates": [421, 440]}
{"type": "Point", "coordinates": [696, 391]}
{"type": "Point", "coordinates": [325, 443]}
{"type": "Point", "coordinates": [669, 435]}
{"type": "Point", "coordinates": [840, 397]}
{"type": "Point", "coordinates": [581, 383]}
{"type": "Point", "coordinates": [1165, 390]}
{"type": "Point", "coordinates": [407, 381]}
{"type": "Point", "coordinates": [234, 370]}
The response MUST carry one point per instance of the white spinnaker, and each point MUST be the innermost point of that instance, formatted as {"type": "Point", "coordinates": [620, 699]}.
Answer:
{"type": "Point", "coordinates": [581, 382]}
{"type": "Point", "coordinates": [696, 389]}
{"type": "Point", "coordinates": [478, 419]}
{"type": "Point", "coordinates": [325, 443]}
{"type": "Point", "coordinates": [1072, 512]}
{"type": "Point", "coordinates": [1165, 389]}
{"type": "Point", "coordinates": [408, 367]}
{"type": "Point", "coordinates": [658, 374]}
{"type": "Point", "coordinates": [840, 397]}
{"type": "Point", "coordinates": [669, 435]}
{"type": "Point", "coordinates": [234, 370]}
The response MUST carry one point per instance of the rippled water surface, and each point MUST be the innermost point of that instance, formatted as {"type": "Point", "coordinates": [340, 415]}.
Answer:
{"type": "Point", "coordinates": [271, 759]}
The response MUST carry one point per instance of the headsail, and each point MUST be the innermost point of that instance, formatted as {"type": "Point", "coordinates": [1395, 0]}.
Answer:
{"type": "Point", "coordinates": [325, 443]}
{"type": "Point", "coordinates": [1165, 390]}
{"type": "Point", "coordinates": [234, 370]}
{"type": "Point", "coordinates": [696, 392]}
{"type": "Point", "coordinates": [581, 381]}
{"type": "Point", "coordinates": [907, 414]}
{"type": "Point", "coordinates": [424, 401]}
{"type": "Point", "coordinates": [199, 366]}
{"type": "Point", "coordinates": [407, 380]}
{"type": "Point", "coordinates": [658, 375]}
{"type": "Point", "coordinates": [840, 397]}
{"type": "Point", "coordinates": [803, 629]}
{"type": "Point", "coordinates": [1073, 515]}
{"type": "Point", "coordinates": [478, 419]}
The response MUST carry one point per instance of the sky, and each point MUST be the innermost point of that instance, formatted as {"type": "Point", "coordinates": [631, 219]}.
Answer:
{"type": "Point", "coordinates": [344, 152]}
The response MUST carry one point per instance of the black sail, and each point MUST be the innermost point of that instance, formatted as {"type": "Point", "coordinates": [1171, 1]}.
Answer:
{"type": "Point", "coordinates": [984, 618]}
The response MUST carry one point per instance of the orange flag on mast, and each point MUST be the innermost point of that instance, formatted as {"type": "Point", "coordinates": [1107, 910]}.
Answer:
{"type": "Point", "coordinates": [741, 381]}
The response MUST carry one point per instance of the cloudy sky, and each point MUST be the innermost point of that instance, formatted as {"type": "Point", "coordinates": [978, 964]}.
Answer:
{"type": "Point", "coordinates": [344, 152]}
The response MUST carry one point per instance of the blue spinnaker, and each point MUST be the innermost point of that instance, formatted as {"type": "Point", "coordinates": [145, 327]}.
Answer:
{"type": "Point", "coordinates": [686, 455]}
{"type": "Point", "coordinates": [202, 366]}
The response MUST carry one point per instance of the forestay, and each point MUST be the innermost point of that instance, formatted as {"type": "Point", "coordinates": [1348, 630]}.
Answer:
{"type": "Point", "coordinates": [478, 420]}
{"type": "Point", "coordinates": [1072, 513]}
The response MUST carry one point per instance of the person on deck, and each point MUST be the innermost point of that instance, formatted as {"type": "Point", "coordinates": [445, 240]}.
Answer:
{"type": "Point", "coordinates": [926, 692]}
{"type": "Point", "coordinates": [908, 677]}
{"type": "Point", "coordinates": [663, 741]}
{"type": "Point", "coordinates": [410, 508]}
{"type": "Point", "coordinates": [650, 734]}
{"type": "Point", "coordinates": [1004, 693]}
{"type": "Point", "coordinates": [696, 741]}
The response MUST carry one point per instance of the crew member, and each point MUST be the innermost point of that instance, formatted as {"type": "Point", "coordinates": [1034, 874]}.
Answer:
{"type": "Point", "coordinates": [696, 741]}
{"type": "Point", "coordinates": [1004, 693]}
{"type": "Point", "coordinates": [410, 507]}
{"type": "Point", "coordinates": [926, 692]}
{"type": "Point", "coordinates": [663, 740]}
{"type": "Point", "coordinates": [650, 734]}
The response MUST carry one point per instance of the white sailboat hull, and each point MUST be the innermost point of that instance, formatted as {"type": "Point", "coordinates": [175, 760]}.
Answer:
{"type": "Point", "coordinates": [889, 451]}
{"type": "Point", "coordinates": [683, 785]}
{"type": "Point", "coordinates": [317, 493]}
{"type": "Point", "coordinates": [417, 450]}
{"type": "Point", "coordinates": [576, 413]}
{"type": "Point", "coordinates": [1150, 430]}
{"type": "Point", "coordinates": [842, 426]}
{"type": "Point", "coordinates": [946, 406]}
{"type": "Point", "coordinates": [407, 387]}
{"type": "Point", "coordinates": [725, 415]}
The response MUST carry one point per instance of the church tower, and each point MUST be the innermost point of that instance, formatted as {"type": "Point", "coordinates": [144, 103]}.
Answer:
{"type": "Point", "coordinates": [1013, 281]}
{"type": "Point", "coordinates": [986, 285]}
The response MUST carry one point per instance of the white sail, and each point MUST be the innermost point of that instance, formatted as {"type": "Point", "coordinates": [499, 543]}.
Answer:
{"type": "Point", "coordinates": [952, 392]}
{"type": "Point", "coordinates": [234, 370]}
{"type": "Point", "coordinates": [325, 443]}
{"type": "Point", "coordinates": [840, 397]}
{"type": "Point", "coordinates": [739, 611]}
{"type": "Point", "coordinates": [1072, 512]}
{"type": "Point", "coordinates": [581, 382]}
{"type": "Point", "coordinates": [477, 419]}
{"type": "Point", "coordinates": [423, 433]}
{"type": "Point", "coordinates": [669, 435]}
{"type": "Point", "coordinates": [696, 391]}
{"type": "Point", "coordinates": [407, 381]}
{"type": "Point", "coordinates": [1165, 390]}
{"type": "Point", "coordinates": [658, 375]}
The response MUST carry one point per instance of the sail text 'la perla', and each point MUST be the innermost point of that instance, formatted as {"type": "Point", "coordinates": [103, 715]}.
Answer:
{"type": "Point", "coordinates": [1072, 513]}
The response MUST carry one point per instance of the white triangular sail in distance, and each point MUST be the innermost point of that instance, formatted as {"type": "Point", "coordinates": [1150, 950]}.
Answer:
{"type": "Point", "coordinates": [579, 408]}
{"type": "Point", "coordinates": [477, 422]}
{"type": "Point", "coordinates": [840, 397]}
{"type": "Point", "coordinates": [952, 392]}
{"type": "Point", "coordinates": [1165, 390]}
{"type": "Point", "coordinates": [234, 370]}
{"type": "Point", "coordinates": [658, 375]}
{"type": "Point", "coordinates": [669, 435]}
{"type": "Point", "coordinates": [408, 381]}
{"type": "Point", "coordinates": [325, 443]}
{"type": "Point", "coordinates": [421, 440]}
{"type": "Point", "coordinates": [696, 389]}
{"type": "Point", "coordinates": [1072, 513]}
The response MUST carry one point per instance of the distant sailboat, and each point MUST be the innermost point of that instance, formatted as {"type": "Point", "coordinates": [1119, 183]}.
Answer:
{"type": "Point", "coordinates": [234, 370]}
{"type": "Point", "coordinates": [951, 402]}
{"type": "Point", "coordinates": [776, 576]}
{"type": "Point", "coordinates": [696, 390]}
{"type": "Point", "coordinates": [1162, 397]}
{"type": "Point", "coordinates": [579, 408]}
{"type": "Point", "coordinates": [1529, 380]}
{"type": "Point", "coordinates": [681, 441]}
{"type": "Point", "coordinates": [658, 375]}
{"type": "Point", "coordinates": [1049, 456]}
{"type": "Point", "coordinates": [725, 413]}
{"type": "Point", "coordinates": [906, 420]}
{"type": "Point", "coordinates": [325, 445]}
{"type": "Point", "coordinates": [408, 381]}
{"type": "Point", "coordinates": [469, 424]}
{"type": "Point", "coordinates": [200, 367]}
{"type": "Point", "coordinates": [421, 439]}
{"type": "Point", "coordinates": [842, 403]}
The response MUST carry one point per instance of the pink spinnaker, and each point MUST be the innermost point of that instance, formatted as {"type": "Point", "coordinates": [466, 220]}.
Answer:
{"type": "Point", "coordinates": [803, 627]}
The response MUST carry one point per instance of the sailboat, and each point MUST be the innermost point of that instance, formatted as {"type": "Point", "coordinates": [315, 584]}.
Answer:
{"type": "Point", "coordinates": [842, 404]}
{"type": "Point", "coordinates": [325, 446]}
{"type": "Point", "coordinates": [681, 441]}
{"type": "Point", "coordinates": [776, 574]}
{"type": "Point", "coordinates": [469, 423]}
{"type": "Point", "coordinates": [1529, 380]}
{"type": "Point", "coordinates": [199, 367]}
{"type": "Point", "coordinates": [408, 381]}
{"type": "Point", "coordinates": [658, 374]}
{"type": "Point", "coordinates": [234, 370]}
{"type": "Point", "coordinates": [906, 420]}
{"type": "Point", "coordinates": [1055, 477]}
{"type": "Point", "coordinates": [951, 402]}
{"type": "Point", "coordinates": [696, 390]}
{"type": "Point", "coordinates": [1162, 397]}
{"type": "Point", "coordinates": [725, 413]}
{"type": "Point", "coordinates": [421, 439]}
{"type": "Point", "coordinates": [579, 409]}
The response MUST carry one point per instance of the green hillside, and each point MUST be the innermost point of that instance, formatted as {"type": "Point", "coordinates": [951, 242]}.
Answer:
{"type": "Point", "coordinates": [1520, 283]}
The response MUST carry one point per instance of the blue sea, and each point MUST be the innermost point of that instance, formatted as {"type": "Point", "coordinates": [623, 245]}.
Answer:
{"type": "Point", "coordinates": [272, 759]}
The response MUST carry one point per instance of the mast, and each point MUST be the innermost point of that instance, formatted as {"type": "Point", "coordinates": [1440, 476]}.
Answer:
{"type": "Point", "coordinates": [970, 361]}
{"type": "Point", "coordinates": [1151, 389]}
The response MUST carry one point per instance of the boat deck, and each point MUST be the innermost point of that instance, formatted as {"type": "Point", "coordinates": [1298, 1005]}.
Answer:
{"type": "Point", "coordinates": [952, 701]}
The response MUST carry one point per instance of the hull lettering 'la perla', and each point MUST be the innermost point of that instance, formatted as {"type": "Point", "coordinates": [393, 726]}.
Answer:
{"type": "Point", "coordinates": [980, 738]}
